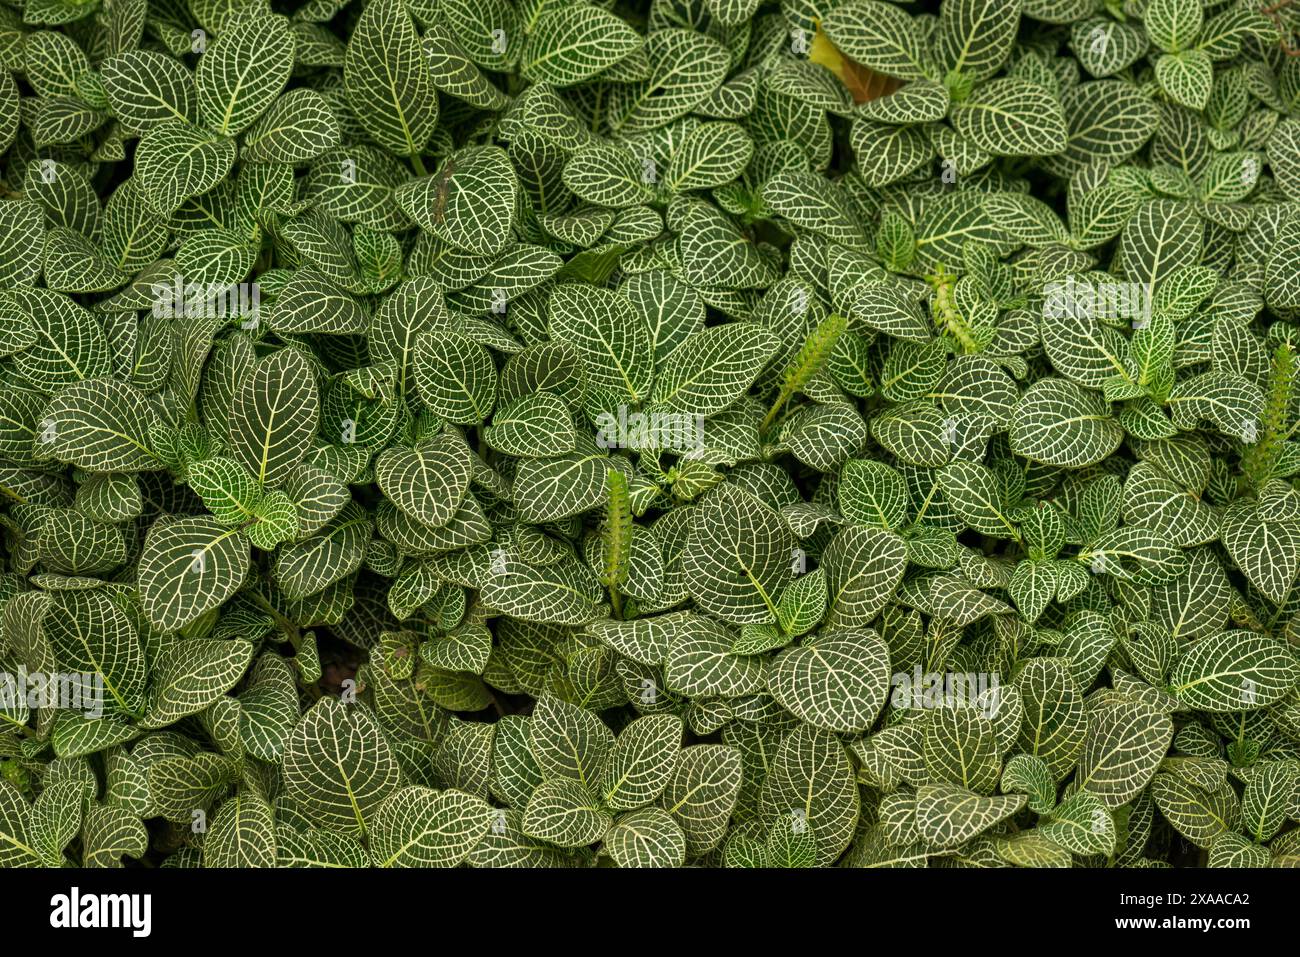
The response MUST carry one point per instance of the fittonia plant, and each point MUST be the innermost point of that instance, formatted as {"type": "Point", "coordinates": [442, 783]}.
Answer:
{"type": "Point", "coordinates": [701, 431]}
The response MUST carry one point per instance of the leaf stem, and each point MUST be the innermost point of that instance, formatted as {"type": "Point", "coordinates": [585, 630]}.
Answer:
{"type": "Point", "coordinates": [289, 628]}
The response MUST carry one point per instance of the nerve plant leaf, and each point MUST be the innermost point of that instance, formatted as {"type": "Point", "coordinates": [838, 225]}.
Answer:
{"type": "Point", "coordinates": [388, 81]}
{"type": "Point", "coordinates": [337, 768]}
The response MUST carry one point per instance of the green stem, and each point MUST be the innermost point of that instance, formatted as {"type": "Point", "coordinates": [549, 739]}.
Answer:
{"type": "Point", "coordinates": [287, 626]}
{"type": "Point", "coordinates": [15, 726]}
{"type": "Point", "coordinates": [781, 400]}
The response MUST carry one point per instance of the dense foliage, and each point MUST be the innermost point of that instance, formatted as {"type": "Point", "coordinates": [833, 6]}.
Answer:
{"type": "Point", "coordinates": [512, 432]}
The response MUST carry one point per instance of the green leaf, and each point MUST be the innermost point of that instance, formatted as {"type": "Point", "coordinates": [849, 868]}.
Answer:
{"type": "Point", "coordinates": [100, 425]}
{"type": "Point", "coordinates": [713, 368]}
{"type": "Point", "coordinates": [145, 88]}
{"type": "Point", "coordinates": [948, 816]}
{"type": "Point", "coordinates": [712, 154]}
{"type": "Point", "coordinates": [685, 68]}
{"type": "Point", "coordinates": [427, 483]}
{"type": "Point", "coordinates": [641, 762]}
{"type": "Point", "coordinates": [1126, 742]}
{"type": "Point", "coordinates": [1055, 721]}
{"type": "Point", "coordinates": [532, 426]}
{"type": "Point", "coordinates": [388, 80]}
{"type": "Point", "coordinates": [314, 848]}
{"type": "Point", "coordinates": [879, 36]}
{"type": "Point", "coordinates": [456, 377]}
{"type": "Point", "coordinates": [469, 202]}
{"type": "Point", "coordinates": [273, 416]}
{"type": "Point", "coordinates": [738, 556]}
{"type": "Point", "coordinates": [311, 565]}
{"type": "Point", "coordinates": [1012, 117]}
{"type": "Point", "coordinates": [1234, 671]}
{"type": "Point", "coordinates": [960, 748]}
{"type": "Point", "coordinates": [646, 838]}
{"type": "Point", "coordinates": [242, 833]}
{"type": "Point", "coordinates": [550, 489]}
{"type": "Point", "coordinates": [803, 605]}
{"type": "Point", "coordinates": [1057, 423]}
{"type": "Point", "coordinates": [1029, 775]}
{"type": "Point", "coordinates": [190, 674]}
{"type": "Point", "coordinates": [454, 73]}
{"type": "Point", "coordinates": [863, 569]}
{"type": "Point", "coordinates": [973, 492]}
{"type": "Point", "coordinates": [562, 812]}
{"type": "Point", "coordinates": [714, 252]}
{"type": "Point", "coordinates": [243, 72]}
{"type": "Point", "coordinates": [1268, 553]}
{"type": "Point", "coordinates": [1105, 119]}
{"type": "Point", "coordinates": [227, 489]}
{"type": "Point", "coordinates": [888, 310]}
{"type": "Point", "coordinates": [1156, 242]}
{"type": "Point", "coordinates": [702, 792]}
{"type": "Point", "coordinates": [609, 336]}
{"type": "Point", "coordinates": [180, 783]}
{"type": "Point", "coordinates": [1198, 814]}
{"type": "Point", "coordinates": [808, 200]}
{"type": "Point", "coordinates": [563, 593]}
{"type": "Point", "coordinates": [1083, 825]}
{"type": "Point", "coordinates": [109, 834]}
{"type": "Point", "coordinates": [338, 768]}
{"type": "Point", "coordinates": [187, 567]}
{"type": "Point", "coordinates": [298, 127]}
{"type": "Point", "coordinates": [810, 781]}
{"type": "Point", "coordinates": [573, 43]}
{"type": "Point", "coordinates": [1173, 24]}
{"type": "Point", "coordinates": [975, 36]}
{"type": "Point", "coordinates": [700, 662]}
{"type": "Point", "coordinates": [610, 175]}
{"type": "Point", "coordinates": [92, 636]}
{"type": "Point", "coordinates": [268, 707]}
{"type": "Point", "coordinates": [176, 160]}
{"type": "Point", "coordinates": [1187, 77]}
{"type": "Point", "coordinates": [70, 345]}
{"type": "Point", "coordinates": [421, 827]}
{"type": "Point", "coordinates": [568, 742]}
{"type": "Point", "coordinates": [838, 683]}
